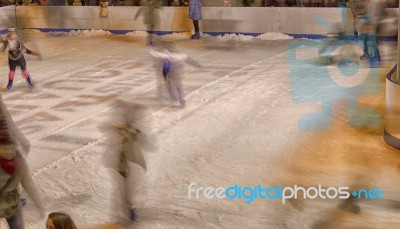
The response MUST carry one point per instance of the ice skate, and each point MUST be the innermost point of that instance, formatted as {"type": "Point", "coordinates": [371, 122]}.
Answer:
{"type": "Point", "coordinates": [9, 85]}
{"type": "Point", "coordinates": [195, 36]}
{"type": "Point", "coordinates": [175, 104]}
{"type": "Point", "coordinates": [374, 62]}
{"type": "Point", "coordinates": [31, 84]}
{"type": "Point", "coordinates": [133, 215]}
{"type": "Point", "coordinates": [182, 102]}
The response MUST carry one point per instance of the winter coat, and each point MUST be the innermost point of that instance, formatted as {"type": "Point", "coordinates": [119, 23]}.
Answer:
{"type": "Point", "coordinates": [150, 14]}
{"type": "Point", "coordinates": [195, 10]}
{"type": "Point", "coordinates": [8, 127]}
{"type": "Point", "coordinates": [131, 163]}
{"type": "Point", "coordinates": [370, 13]}
{"type": "Point", "coordinates": [15, 48]}
{"type": "Point", "coordinates": [177, 60]}
{"type": "Point", "coordinates": [132, 142]}
{"type": "Point", "coordinates": [9, 196]}
{"type": "Point", "coordinates": [13, 167]}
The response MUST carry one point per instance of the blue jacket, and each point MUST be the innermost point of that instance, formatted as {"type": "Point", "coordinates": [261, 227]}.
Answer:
{"type": "Point", "coordinates": [195, 10]}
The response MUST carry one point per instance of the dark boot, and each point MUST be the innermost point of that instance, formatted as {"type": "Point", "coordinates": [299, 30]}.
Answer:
{"type": "Point", "coordinates": [133, 215]}
{"type": "Point", "coordinates": [9, 85]}
{"type": "Point", "coordinates": [30, 82]}
{"type": "Point", "coordinates": [196, 36]}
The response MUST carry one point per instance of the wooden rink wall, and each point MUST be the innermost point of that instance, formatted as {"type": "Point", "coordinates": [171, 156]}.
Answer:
{"type": "Point", "coordinates": [246, 20]}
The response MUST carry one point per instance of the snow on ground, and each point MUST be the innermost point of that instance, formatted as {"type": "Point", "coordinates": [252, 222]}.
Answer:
{"type": "Point", "coordinates": [177, 35]}
{"type": "Point", "coordinates": [240, 126]}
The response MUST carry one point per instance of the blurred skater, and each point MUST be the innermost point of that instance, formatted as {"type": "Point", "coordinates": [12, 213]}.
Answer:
{"type": "Point", "coordinates": [150, 16]}
{"type": "Point", "coordinates": [130, 140]}
{"type": "Point", "coordinates": [14, 171]}
{"type": "Point", "coordinates": [371, 13]}
{"type": "Point", "coordinates": [172, 63]}
{"type": "Point", "coordinates": [14, 46]}
{"type": "Point", "coordinates": [196, 15]}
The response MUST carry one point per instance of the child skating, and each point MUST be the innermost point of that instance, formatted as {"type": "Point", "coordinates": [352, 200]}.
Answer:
{"type": "Point", "coordinates": [15, 49]}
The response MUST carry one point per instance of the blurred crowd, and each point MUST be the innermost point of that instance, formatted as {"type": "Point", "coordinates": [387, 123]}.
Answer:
{"type": "Point", "coordinates": [211, 3]}
{"type": "Point", "coordinates": [91, 2]}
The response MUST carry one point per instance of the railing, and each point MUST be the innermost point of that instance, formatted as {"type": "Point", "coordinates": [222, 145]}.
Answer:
{"type": "Point", "coordinates": [207, 3]}
{"type": "Point", "coordinates": [392, 116]}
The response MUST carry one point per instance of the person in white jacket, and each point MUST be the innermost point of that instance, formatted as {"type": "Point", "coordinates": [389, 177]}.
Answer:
{"type": "Point", "coordinates": [170, 64]}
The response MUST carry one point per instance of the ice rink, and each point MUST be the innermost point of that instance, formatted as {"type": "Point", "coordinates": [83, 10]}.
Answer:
{"type": "Point", "coordinates": [240, 126]}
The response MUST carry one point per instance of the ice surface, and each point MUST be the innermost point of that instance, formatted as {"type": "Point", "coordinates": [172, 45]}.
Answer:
{"type": "Point", "coordinates": [240, 126]}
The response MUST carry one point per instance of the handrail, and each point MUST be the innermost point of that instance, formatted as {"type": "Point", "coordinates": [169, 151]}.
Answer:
{"type": "Point", "coordinates": [390, 73]}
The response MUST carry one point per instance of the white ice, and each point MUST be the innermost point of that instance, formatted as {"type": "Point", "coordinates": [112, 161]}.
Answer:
{"type": "Point", "coordinates": [240, 126]}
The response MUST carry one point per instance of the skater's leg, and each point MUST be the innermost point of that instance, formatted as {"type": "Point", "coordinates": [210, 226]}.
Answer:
{"type": "Point", "coordinates": [16, 221]}
{"type": "Point", "coordinates": [374, 43]}
{"type": "Point", "coordinates": [179, 91]}
{"type": "Point", "coordinates": [26, 75]}
{"type": "Point", "coordinates": [11, 75]}
{"type": "Point", "coordinates": [169, 80]}
{"type": "Point", "coordinates": [135, 188]}
{"type": "Point", "coordinates": [119, 203]}
{"type": "Point", "coordinates": [28, 78]}
{"type": "Point", "coordinates": [364, 37]}
{"type": "Point", "coordinates": [171, 89]}
{"type": "Point", "coordinates": [196, 26]}
{"type": "Point", "coordinates": [128, 188]}
{"type": "Point", "coordinates": [196, 34]}
{"type": "Point", "coordinates": [150, 29]}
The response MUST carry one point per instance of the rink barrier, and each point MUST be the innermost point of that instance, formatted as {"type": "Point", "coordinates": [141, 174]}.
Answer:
{"type": "Point", "coordinates": [392, 118]}
{"type": "Point", "coordinates": [7, 17]}
{"type": "Point", "coordinates": [160, 33]}
{"type": "Point", "coordinates": [391, 140]}
{"type": "Point", "coordinates": [300, 22]}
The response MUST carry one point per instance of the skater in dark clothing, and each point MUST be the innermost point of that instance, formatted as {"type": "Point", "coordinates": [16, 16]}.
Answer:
{"type": "Point", "coordinates": [14, 46]}
{"type": "Point", "coordinates": [372, 13]}
{"type": "Point", "coordinates": [172, 63]}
